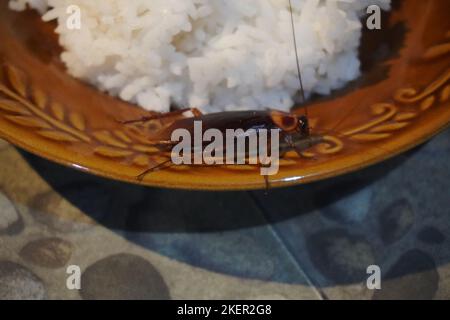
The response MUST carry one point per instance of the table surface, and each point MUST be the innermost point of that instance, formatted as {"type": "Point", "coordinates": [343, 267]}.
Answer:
{"type": "Point", "coordinates": [308, 242]}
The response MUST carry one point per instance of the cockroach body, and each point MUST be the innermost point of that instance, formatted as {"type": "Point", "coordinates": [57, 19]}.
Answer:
{"type": "Point", "coordinates": [292, 127]}
{"type": "Point", "coordinates": [294, 130]}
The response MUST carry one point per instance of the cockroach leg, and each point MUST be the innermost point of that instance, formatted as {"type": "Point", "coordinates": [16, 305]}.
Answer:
{"type": "Point", "coordinates": [296, 148]}
{"type": "Point", "coordinates": [266, 177]}
{"type": "Point", "coordinates": [300, 151]}
{"type": "Point", "coordinates": [140, 120]}
{"type": "Point", "coordinates": [158, 167]}
{"type": "Point", "coordinates": [267, 183]}
{"type": "Point", "coordinates": [305, 144]}
{"type": "Point", "coordinates": [196, 112]}
{"type": "Point", "coordinates": [163, 143]}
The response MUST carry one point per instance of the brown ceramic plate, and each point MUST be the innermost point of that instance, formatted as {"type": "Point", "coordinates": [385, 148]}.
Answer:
{"type": "Point", "coordinates": [402, 99]}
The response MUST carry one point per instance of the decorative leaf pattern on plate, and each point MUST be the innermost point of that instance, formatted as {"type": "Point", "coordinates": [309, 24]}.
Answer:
{"type": "Point", "coordinates": [17, 80]}
{"type": "Point", "coordinates": [30, 107]}
{"type": "Point", "coordinates": [29, 121]}
{"type": "Point", "coordinates": [26, 105]}
{"type": "Point", "coordinates": [57, 111]}
{"type": "Point", "coordinates": [12, 106]}
{"type": "Point", "coordinates": [57, 136]}
{"type": "Point", "coordinates": [390, 118]}
{"type": "Point", "coordinates": [111, 152]}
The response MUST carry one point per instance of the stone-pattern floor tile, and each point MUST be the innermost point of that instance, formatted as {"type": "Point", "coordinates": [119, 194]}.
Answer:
{"type": "Point", "coordinates": [394, 215]}
{"type": "Point", "coordinates": [307, 242]}
{"type": "Point", "coordinates": [132, 242]}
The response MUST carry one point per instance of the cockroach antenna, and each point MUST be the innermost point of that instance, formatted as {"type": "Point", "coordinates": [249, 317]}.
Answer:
{"type": "Point", "coordinates": [299, 72]}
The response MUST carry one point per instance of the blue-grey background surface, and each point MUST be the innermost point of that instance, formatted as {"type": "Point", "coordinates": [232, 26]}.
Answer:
{"type": "Point", "coordinates": [321, 236]}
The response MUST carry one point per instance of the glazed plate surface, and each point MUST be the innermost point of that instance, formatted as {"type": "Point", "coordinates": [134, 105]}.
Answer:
{"type": "Point", "coordinates": [401, 100]}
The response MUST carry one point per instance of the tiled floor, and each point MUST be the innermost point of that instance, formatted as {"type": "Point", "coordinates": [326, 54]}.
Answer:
{"type": "Point", "coordinates": [307, 242]}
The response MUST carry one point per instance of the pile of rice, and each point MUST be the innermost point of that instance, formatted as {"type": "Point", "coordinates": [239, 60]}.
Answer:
{"type": "Point", "coordinates": [213, 54]}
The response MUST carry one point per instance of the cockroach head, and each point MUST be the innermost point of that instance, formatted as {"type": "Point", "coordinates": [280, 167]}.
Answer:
{"type": "Point", "coordinates": [303, 125]}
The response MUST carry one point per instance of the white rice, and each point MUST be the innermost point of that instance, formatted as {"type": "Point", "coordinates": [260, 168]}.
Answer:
{"type": "Point", "coordinates": [213, 54]}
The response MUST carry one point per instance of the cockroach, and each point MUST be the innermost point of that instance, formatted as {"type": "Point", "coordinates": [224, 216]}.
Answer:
{"type": "Point", "coordinates": [294, 130]}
